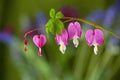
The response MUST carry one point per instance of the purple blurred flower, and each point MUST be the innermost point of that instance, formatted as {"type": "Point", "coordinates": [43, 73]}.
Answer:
{"type": "Point", "coordinates": [8, 29]}
{"type": "Point", "coordinates": [110, 16]}
{"type": "Point", "coordinates": [96, 16]}
{"type": "Point", "coordinates": [117, 4]}
{"type": "Point", "coordinates": [6, 38]}
{"type": "Point", "coordinates": [41, 20]}
{"type": "Point", "coordinates": [115, 41]}
{"type": "Point", "coordinates": [106, 18]}
{"type": "Point", "coordinates": [69, 11]}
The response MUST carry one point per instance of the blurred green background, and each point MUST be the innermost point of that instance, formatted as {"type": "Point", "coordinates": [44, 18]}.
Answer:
{"type": "Point", "coordinates": [18, 16]}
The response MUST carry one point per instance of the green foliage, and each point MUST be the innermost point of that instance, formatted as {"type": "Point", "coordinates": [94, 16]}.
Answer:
{"type": "Point", "coordinates": [52, 13]}
{"type": "Point", "coordinates": [59, 15]}
{"type": "Point", "coordinates": [55, 25]}
{"type": "Point", "coordinates": [60, 26]}
{"type": "Point", "coordinates": [50, 26]}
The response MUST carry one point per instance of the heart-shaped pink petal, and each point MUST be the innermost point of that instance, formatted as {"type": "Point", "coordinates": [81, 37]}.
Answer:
{"type": "Point", "coordinates": [94, 36]}
{"type": "Point", "coordinates": [39, 40]}
{"type": "Point", "coordinates": [63, 37]}
{"type": "Point", "coordinates": [74, 29]}
{"type": "Point", "coordinates": [99, 36]}
{"type": "Point", "coordinates": [71, 30]}
{"type": "Point", "coordinates": [89, 37]}
{"type": "Point", "coordinates": [78, 28]}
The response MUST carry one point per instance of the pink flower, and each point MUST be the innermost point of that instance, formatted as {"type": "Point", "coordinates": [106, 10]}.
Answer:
{"type": "Point", "coordinates": [39, 41]}
{"type": "Point", "coordinates": [62, 40]}
{"type": "Point", "coordinates": [75, 32]}
{"type": "Point", "coordinates": [95, 38]}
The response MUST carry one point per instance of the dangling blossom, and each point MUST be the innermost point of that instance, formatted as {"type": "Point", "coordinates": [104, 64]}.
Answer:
{"type": "Point", "coordinates": [25, 44]}
{"type": "Point", "coordinates": [39, 41]}
{"type": "Point", "coordinates": [62, 40]}
{"type": "Point", "coordinates": [75, 32]}
{"type": "Point", "coordinates": [95, 38]}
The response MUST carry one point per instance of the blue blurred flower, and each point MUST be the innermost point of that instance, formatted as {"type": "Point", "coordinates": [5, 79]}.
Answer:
{"type": "Point", "coordinates": [41, 20]}
{"type": "Point", "coordinates": [5, 38]}
{"type": "Point", "coordinates": [12, 42]}
{"type": "Point", "coordinates": [117, 4]}
{"type": "Point", "coordinates": [114, 43]}
{"type": "Point", "coordinates": [106, 18]}
{"type": "Point", "coordinates": [30, 24]}
{"type": "Point", "coordinates": [110, 16]}
{"type": "Point", "coordinates": [96, 16]}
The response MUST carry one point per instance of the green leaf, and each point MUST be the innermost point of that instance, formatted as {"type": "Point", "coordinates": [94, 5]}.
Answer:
{"type": "Point", "coordinates": [52, 13]}
{"type": "Point", "coordinates": [50, 26]}
{"type": "Point", "coordinates": [47, 34]}
{"type": "Point", "coordinates": [59, 15]}
{"type": "Point", "coordinates": [59, 26]}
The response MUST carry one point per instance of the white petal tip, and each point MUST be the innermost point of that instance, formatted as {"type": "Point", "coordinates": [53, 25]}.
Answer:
{"type": "Point", "coordinates": [96, 53]}
{"type": "Point", "coordinates": [62, 48]}
{"type": "Point", "coordinates": [63, 52]}
{"type": "Point", "coordinates": [76, 46]}
{"type": "Point", "coordinates": [75, 42]}
{"type": "Point", "coordinates": [95, 50]}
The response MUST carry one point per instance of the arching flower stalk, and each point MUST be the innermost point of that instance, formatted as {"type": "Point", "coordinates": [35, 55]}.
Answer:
{"type": "Point", "coordinates": [54, 25]}
{"type": "Point", "coordinates": [75, 32]}
{"type": "Point", "coordinates": [62, 40]}
{"type": "Point", "coordinates": [39, 41]}
{"type": "Point", "coordinates": [95, 38]}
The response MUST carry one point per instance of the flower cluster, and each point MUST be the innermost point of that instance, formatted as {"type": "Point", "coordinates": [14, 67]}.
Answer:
{"type": "Point", "coordinates": [74, 32]}
{"type": "Point", "coordinates": [93, 37]}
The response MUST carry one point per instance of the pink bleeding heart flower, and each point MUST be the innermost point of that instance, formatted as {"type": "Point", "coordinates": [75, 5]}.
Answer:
{"type": "Point", "coordinates": [95, 38]}
{"type": "Point", "coordinates": [75, 32]}
{"type": "Point", "coordinates": [62, 40]}
{"type": "Point", "coordinates": [39, 41]}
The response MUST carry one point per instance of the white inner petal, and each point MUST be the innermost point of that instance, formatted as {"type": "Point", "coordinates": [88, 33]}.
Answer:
{"type": "Point", "coordinates": [39, 52]}
{"type": "Point", "coordinates": [75, 41]}
{"type": "Point", "coordinates": [62, 47]}
{"type": "Point", "coordinates": [95, 48]}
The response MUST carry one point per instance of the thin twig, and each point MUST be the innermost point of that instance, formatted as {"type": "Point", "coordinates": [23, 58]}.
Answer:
{"type": "Point", "coordinates": [92, 24]}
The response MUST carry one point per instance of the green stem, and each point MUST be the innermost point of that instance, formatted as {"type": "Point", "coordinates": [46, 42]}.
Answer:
{"type": "Point", "coordinates": [68, 19]}
{"type": "Point", "coordinates": [40, 28]}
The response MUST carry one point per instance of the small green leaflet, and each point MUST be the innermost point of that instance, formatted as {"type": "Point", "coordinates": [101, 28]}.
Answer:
{"type": "Point", "coordinates": [60, 26]}
{"type": "Point", "coordinates": [50, 26]}
{"type": "Point", "coordinates": [55, 25]}
{"type": "Point", "coordinates": [52, 13]}
{"type": "Point", "coordinates": [59, 15]}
